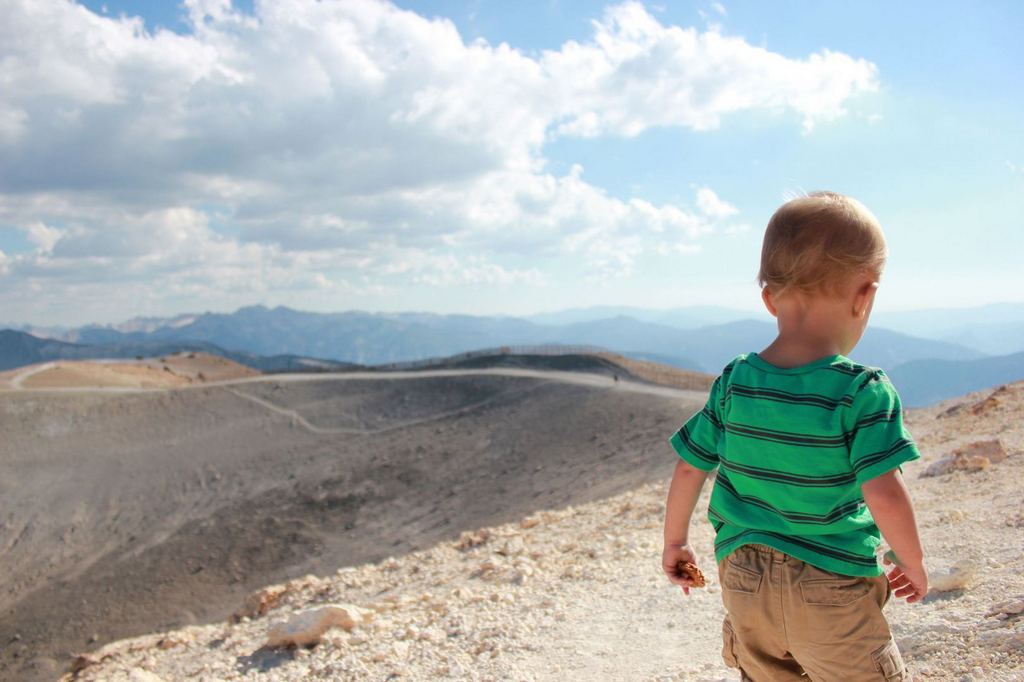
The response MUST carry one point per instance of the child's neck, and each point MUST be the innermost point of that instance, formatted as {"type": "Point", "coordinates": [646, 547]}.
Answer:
{"type": "Point", "coordinates": [791, 352]}
{"type": "Point", "coordinates": [809, 329]}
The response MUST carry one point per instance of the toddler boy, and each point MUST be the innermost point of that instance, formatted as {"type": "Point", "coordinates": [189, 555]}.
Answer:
{"type": "Point", "coordinates": [808, 446]}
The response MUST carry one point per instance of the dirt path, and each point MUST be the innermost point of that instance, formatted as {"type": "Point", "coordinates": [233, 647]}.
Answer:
{"type": "Point", "coordinates": [18, 379]}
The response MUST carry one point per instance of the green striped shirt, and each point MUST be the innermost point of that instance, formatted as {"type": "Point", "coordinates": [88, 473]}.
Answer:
{"type": "Point", "coordinates": [792, 447]}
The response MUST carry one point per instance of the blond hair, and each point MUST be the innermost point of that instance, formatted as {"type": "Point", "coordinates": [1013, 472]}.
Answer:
{"type": "Point", "coordinates": [816, 243]}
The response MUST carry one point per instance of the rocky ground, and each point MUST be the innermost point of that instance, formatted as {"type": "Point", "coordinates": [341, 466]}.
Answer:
{"type": "Point", "coordinates": [576, 593]}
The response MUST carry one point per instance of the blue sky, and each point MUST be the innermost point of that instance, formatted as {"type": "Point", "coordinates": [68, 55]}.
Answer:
{"type": "Point", "coordinates": [493, 158]}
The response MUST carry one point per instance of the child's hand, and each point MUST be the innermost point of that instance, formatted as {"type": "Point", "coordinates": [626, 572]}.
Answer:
{"type": "Point", "coordinates": [910, 581]}
{"type": "Point", "coordinates": [670, 557]}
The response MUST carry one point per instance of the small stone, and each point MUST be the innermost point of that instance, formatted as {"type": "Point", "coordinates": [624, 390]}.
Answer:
{"type": "Point", "coordinates": [259, 602]}
{"type": "Point", "coordinates": [83, 661]}
{"type": "Point", "coordinates": [518, 577]}
{"type": "Point", "coordinates": [514, 545]}
{"type": "Point", "coordinates": [530, 522]}
{"type": "Point", "coordinates": [470, 539]}
{"type": "Point", "coordinates": [956, 462]}
{"type": "Point", "coordinates": [1013, 642]}
{"type": "Point", "coordinates": [993, 450]}
{"type": "Point", "coordinates": [433, 634]}
{"type": "Point", "coordinates": [165, 643]}
{"type": "Point", "coordinates": [487, 568]}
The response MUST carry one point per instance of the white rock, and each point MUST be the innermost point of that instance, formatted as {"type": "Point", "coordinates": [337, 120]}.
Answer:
{"type": "Point", "coordinates": [1007, 608]}
{"type": "Point", "coordinates": [433, 634]}
{"type": "Point", "coordinates": [307, 627]}
{"type": "Point", "coordinates": [514, 545]}
{"type": "Point", "coordinates": [959, 577]}
{"type": "Point", "coordinates": [993, 450]}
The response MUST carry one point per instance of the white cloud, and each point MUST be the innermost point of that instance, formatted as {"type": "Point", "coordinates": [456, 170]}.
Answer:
{"type": "Point", "coordinates": [713, 207]}
{"type": "Point", "coordinates": [449, 270]}
{"type": "Point", "coordinates": [43, 236]}
{"type": "Point", "coordinates": [638, 73]}
{"type": "Point", "coordinates": [736, 229]}
{"type": "Point", "coordinates": [322, 141]}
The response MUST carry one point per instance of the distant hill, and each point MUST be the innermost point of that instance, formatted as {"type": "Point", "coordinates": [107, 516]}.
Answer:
{"type": "Point", "coordinates": [923, 382]}
{"type": "Point", "coordinates": [712, 347]}
{"type": "Point", "coordinates": [996, 338]}
{"type": "Point", "coordinates": [18, 349]}
{"type": "Point", "coordinates": [996, 329]}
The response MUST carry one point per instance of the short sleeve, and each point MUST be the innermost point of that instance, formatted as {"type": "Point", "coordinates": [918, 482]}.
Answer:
{"type": "Point", "coordinates": [878, 440]}
{"type": "Point", "coordinates": [697, 440]}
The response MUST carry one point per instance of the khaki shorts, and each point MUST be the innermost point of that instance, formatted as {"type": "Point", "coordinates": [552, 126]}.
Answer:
{"type": "Point", "coordinates": [788, 620]}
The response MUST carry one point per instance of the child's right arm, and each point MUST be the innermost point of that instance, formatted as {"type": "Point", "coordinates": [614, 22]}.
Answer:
{"type": "Point", "coordinates": [890, 505]}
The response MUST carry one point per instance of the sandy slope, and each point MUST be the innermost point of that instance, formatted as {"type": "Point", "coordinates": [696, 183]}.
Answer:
{"type": "Point", "coordinates": [576, 593]}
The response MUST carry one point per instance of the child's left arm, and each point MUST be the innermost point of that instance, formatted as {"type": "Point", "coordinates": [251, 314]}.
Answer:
{"type": "Point", "coordinates": [683, 491]}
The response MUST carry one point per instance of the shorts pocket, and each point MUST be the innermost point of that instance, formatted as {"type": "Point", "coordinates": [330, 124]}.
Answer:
{"type": "Point", "coordinates": [833, 591]}
{"type": "Point", "coordinates": [889, 662]}
{"type": "Point", "coordinates": [739, 579]}
{"type": "Point", "coordinates": [729, 645]}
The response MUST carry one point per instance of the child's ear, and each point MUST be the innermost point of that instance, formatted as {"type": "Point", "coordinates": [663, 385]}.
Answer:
{"type": "Point", "coordinates": [766, 296]}
{"type": "Point", "coordinates": [864, 298]}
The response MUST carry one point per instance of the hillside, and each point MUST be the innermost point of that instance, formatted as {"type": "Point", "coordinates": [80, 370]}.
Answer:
{"type": "Point", "coordinates": [169, 371]}
{"type": "Point", "coordinates": [923, 382]}
{"type": "Point", "coordinates": [576, 592]}
{"type": "Point", "coordinates": [129, 512]}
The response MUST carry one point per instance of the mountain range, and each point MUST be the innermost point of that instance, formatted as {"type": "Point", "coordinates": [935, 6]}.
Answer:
{"type": "Point", "coordinates": [698, 338]}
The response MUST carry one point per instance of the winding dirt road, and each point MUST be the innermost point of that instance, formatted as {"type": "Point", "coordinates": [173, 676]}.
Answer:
{"type": "Point", "coordinates": [581, 378]}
